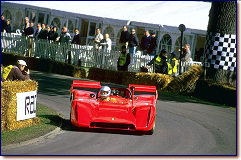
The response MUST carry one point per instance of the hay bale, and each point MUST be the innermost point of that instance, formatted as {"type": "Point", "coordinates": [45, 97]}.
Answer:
{"type": "Point", "coordinates": [9, 103]}
{"type": "Point", "coordinates": [186, 82]}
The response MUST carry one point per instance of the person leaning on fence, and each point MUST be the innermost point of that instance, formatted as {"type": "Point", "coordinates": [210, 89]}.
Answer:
{"type": "Point", "coordinates": [145, 42]}
{"type": "Point", "coordinates": [26, 25]}
{"type": "Point", "coordinates": [64, 36]}
{"type": "Point", "coordinates": [18, 72]}
{"type": "Point", "coordinates": [106, 43]}
{"type": "Point", "coordinates": [152, 50]}
{"type": "Point", "coordinates": [124, 60]}
{"type": "Point", "coordinates": [3, 23]}
{"type": "Point", "coordinates": [8, 27]}
{"type": "Point", "coordinates": [98, 38]}
{"type": "Point", "coordinates": [124, 37]}
{"type": "Point", "coordinates": [160, 62]}
{"type": "Point", "coordinates": [132, 44]}
{"type": "Point", "coordinates": [53, 34]}
{"type": "Point", "coordinates": [172, 64]}
{"type": "Point", "coordinates": [77, 38]}
{"type": "Point", "coordinates": [30, 30]}
{"type": "Point", "coordinates": [43, 33]}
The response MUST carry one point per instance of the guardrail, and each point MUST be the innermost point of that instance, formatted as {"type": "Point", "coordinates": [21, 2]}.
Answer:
{"type": "Point", "coordinates": [85, 56]}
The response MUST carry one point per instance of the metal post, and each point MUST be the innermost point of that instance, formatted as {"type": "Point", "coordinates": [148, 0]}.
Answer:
{"type": "Point", "coordinates": [181, 28]}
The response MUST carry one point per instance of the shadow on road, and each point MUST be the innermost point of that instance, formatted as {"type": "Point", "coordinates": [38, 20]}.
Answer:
{"type": "Point", "coordinates": [65, 125]}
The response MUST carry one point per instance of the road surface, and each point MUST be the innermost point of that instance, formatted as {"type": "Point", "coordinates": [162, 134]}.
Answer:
{"type": "Point", "coordinates": [182, 128]}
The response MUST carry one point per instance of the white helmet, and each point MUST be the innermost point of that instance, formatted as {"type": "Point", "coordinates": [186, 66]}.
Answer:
{"type": "Point", "coordinates": [105, 91]}
{"type": "Point", "coordinates": [22, 63]}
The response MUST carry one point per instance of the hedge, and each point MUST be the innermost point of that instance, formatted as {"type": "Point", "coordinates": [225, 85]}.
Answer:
{"type": "Point", "coordinates": [44, 65]}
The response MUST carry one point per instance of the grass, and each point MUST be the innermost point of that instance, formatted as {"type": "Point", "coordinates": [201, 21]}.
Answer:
{"type": "Point", "coordinates": [49, 120]}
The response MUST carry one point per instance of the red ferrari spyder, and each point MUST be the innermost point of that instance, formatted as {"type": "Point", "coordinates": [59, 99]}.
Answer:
{"type": "Point", "coordinates": [134, 108]}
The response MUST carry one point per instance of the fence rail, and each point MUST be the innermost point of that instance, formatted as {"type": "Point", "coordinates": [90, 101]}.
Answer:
{"type": "Point", "coordinates": [71, 53]}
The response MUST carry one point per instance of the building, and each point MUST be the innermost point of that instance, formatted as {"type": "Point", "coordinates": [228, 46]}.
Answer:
{"type": "Point", "coordinates": [168, 36]}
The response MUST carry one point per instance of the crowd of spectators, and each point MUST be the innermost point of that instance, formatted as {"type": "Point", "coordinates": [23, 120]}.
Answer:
{"type": "Point", "coordinates": [128, 43]}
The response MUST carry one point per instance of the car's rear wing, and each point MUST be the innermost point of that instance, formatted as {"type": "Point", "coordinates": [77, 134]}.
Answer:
{"type": "Point", "coordinates": [85, 85]}
{"type": "Point", "coordinates": [144, 90]}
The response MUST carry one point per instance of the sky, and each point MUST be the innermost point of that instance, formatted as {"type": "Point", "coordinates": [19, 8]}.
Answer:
{"type": "Point", "coordinates": [173, 13]}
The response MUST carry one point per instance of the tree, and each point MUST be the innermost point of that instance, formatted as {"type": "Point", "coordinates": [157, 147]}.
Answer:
{"type": "Point", "coordinates": [222, 23]}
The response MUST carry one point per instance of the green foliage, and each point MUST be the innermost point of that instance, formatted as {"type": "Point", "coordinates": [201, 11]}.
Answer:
{"type": "Point", "coordinates": [44, 65]}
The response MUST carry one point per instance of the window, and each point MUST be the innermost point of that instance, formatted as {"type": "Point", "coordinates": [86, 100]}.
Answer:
{"type": "Point", "coordinates": [7, 15]}
{"type": "Point", "coordinates": [177, 45]}
{"type": "Point", "coordinates": [56, 22]}
{"type": "Point", "coordinates": [110, 31]}
{"type": "Point", "coordinates": [70, 26]}
{"type": "Point", "coordinates": [92, 29]}
{"type": "Point", "coordinates": [18, 20]}
{"type": "Point", "coordinates": [32, 17]}
{"type": "Point", "coordinates": [166, 43]}
{"type": "Point", "coordinates": [41, 18]}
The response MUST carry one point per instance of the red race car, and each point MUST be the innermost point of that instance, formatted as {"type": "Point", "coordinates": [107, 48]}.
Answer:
{"type": "Point", "coordinates": [132, 108]}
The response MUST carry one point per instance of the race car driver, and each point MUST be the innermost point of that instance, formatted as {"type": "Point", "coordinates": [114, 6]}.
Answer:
{"type": "Point", "coordinates": [105, 95]}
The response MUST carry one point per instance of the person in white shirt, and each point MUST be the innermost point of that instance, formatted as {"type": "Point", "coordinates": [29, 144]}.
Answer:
{"type": "Point", "coordinates": [98, 38]}
{"type": "Point", "coordinates": [106, 43]}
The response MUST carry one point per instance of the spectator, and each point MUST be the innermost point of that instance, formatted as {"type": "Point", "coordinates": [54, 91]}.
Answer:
{"type": "Point", "coordinates": [43, 33]}
{"type": "Point", "coordinates": [124, 60]}
{"type": "Point", "coordinates": [106, 43]}
{"type": "Point", "coordinates": [133, 43]}
{"type": "Point", "coordinates": [187, 54]}
{"type": "Point", "coordinates": [3, 23]}
{"type": "Point", "coordinates": [48, 32]}
{"type": "Point", "coordinates": [36, 35]}
{"type": "Point", "coordinates": [145, 42]}
{"type": "Point", "coordinates": [152, 50]}
{"type": "Point", "coordinates": [30, 30]}
{"type": "Point", "coordinates": [64, 36]}
{"type": "Point", "coordinates": [77, 38]}
{"type": "Point", "coordinates": [16, 72]}
{"type": "Point", "coordinates": [53, 34]}
{"type": "Point", "coordinates": [172, 65]}
{"type": "Point", "coordinates": [8, 27]}
{"type": "Point", "coordinates": [124, 37]}
{"type": "Point", "coordinates": [98, 38]}
{"type": "Point", "coordinates": [160, 62]}
{"type": "Point", "coordinates": [26, 25]}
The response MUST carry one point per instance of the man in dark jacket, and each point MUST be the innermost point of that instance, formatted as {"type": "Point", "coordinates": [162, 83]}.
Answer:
{"type": "Point", "coordinates": [8, 27]}
{"type": "Point", "coordinates": [160, 62]}
{"type": "Point", "coordinates": [43, 33]}
{"type": "Point", "coordinates": [132, 44]}
{"type": "Point", "coordinates": [3, 23]}
{"type": "Point", "coordinates": [145, 42]}
{"type": "Point", "coordinates": [53, 34]}
{"type": "Point", "coordinates": [124, 37]}
{"type": "Point", "coordinates": [152, 50]}
{"type": "Point", "coordinates": [30, 30]}
{"type": "Point", "coordinates": [76, 39]}
{"type": "Point", "coordinates": [124, 60]}
{"type": "Point", "coordinates": [12, 73]}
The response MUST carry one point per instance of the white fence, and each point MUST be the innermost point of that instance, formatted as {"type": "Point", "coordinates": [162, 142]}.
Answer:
{"type": "Point", "coordinates": [71, 53]}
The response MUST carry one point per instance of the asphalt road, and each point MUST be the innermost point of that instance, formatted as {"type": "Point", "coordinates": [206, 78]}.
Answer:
{"type": "Point", "coordinates": [182, 128]}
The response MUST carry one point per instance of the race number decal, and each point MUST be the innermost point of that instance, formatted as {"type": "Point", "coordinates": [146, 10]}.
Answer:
{"type": "Point", "coordinates": [26, 105]}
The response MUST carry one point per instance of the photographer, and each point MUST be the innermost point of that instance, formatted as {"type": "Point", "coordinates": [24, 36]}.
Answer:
{"type": "Point", "coordinates": [18, 72]}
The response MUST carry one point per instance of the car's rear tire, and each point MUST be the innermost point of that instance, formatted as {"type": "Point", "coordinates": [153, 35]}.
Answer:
{"type": "Point", "coordinates": [150, 132]}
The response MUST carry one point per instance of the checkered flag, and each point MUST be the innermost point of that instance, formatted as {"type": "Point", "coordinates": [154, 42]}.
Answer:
{"type": "Point", "coordinates": [220, 51]}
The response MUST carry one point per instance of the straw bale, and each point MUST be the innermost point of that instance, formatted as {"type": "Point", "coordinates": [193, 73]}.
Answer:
{"type": "Point", "coordinates": [9, 103]}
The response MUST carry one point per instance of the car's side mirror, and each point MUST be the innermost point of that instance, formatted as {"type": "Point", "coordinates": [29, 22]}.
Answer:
{"type": "Point", "coordinates": [92, 95]}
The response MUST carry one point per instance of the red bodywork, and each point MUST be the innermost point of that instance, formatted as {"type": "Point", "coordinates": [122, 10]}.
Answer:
{"type": "Point", "coordinates": [131, 112]}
